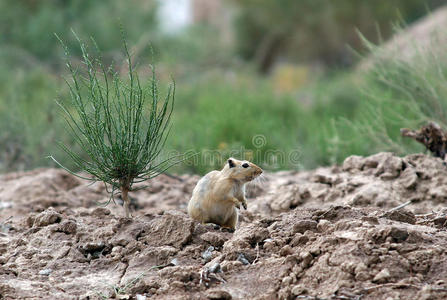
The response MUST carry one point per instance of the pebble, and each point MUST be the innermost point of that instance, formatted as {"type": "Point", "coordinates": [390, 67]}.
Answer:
{"type": "Point", "coordinates": [383, 276]}
{"type": "Point", "coordinates": [242, 259]}
{"type": "Point", "coordinates": [45, 272]}
{"type": "Point", "coordinates": [215, 268]}
{"type": "Point", "coordinates": [208, 253]}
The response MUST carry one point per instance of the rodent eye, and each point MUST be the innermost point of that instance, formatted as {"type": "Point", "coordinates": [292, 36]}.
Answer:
{"type": "Point", "coordinates": [245, 165]}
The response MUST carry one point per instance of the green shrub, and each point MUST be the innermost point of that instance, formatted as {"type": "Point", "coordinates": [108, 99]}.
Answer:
{"type": "Point", "coordinates": [120, 125]}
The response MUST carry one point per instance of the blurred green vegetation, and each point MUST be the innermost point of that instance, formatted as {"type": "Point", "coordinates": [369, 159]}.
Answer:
{"type": "Point", "coordinates": [222, 101]}
{"type": "Point", "coordinates": [317, 30]}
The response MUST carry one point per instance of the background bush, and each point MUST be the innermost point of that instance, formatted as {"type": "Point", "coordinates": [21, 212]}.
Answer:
{"type": "Point", "coordinates": [309, 97]}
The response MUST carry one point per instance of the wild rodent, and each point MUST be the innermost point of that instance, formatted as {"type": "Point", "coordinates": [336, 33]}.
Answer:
{"type": "Point", "coordinates": [218, 194]}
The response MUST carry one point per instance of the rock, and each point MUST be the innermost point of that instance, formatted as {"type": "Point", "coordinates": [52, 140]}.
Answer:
{"type": "Point", "coordinates": [218, 295]}
{"type": "Point", "coordinates": [242, 259]}
{"type": "Point", "coordinates": [440, 221]}
{"type": "Point", "coordinates": [47, 217]}
{"type": "Point", "coordinates": [208, 254]}
{"type": "Point", "coordinates": [306, 259]}
{"type": "Point", "coordinates": [286, 250]}
{"type": "Point", "coordinates": [140, 297]}
{"type": "Point", "coordinates": [298, 290]}
{"type": "Point", "coordinates": [324, 225]}
{"type": "Point", "coordinates": [215, 268]}
{"type": "Point", "coordinates": [174, 262]}
{"type": "Point", "coordinates": [67, 226]}
{"type": "Point", "coordinates": [45, 272]}
{"type": "Point", "coordinates": [353, 163]}
{"type": "Point", "coordinates": [215, 239]}
{"type": "Point", "coordinates": [288, 198]}
{"type": "Point", "coordinates": [286, 281]}
{"type": "Point", "coordinates": [382, 277]}
{"type": "Point", "coordinates": [398, 234]}
{"type": "Point", "coordinates": [408, 178]}
{"type": "Point", "coordinates": [401, 215]}
{"type": "Point", "coordinates": [100, 212]}
{"type": "Point", "coordinates": [317, 190]}
{"type": "Point", "coordinates": [326, 177]}
{"type": "Point", "coordinates": [386, 165]}
{"type": "Point", "coordinates": [374, 192]}
{"type": "Point", "coordinates": [172, 228]}
{"type": "Point", "coordinates": [299, 239]}
{"type": "Point", "coordinates": [304, 225]}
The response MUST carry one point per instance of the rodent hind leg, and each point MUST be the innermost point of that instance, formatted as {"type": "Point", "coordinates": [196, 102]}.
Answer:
{"type": "Point", "coordinates": [232, 221]}
{"type": "Point", "coordinates": [211, 225]}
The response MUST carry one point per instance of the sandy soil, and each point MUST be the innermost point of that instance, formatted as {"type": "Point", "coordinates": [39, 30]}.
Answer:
{"type": "Point", "coordinates": [330, 233]}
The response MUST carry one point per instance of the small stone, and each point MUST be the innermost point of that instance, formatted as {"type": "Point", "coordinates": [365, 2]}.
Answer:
{"type": "Point", "coordinates": [306, 258]}
{"type": "Point", "coordinates": [286, 250]}
{"type": "Point", "coordinates": [93, 246]}
{"type": "Point", "coordinates": [214, 239]}
{"type": "Point", "coordinates": [353, 162]}
{"type": "Point", "coordinates": [440, 282]}
{"type": "Point", "coordinates": [324, 225]}
{"type": "Point", "coordinates": [362, 276]}
{"type": "Point", "coordinates": [47, 217]}
{"type": "Point", "coordinates": [140, 297]}
{"type": "Point", "coordinates": [45, 272]}
{"type": "Point", "coordinates": [215, 268]}
{"type": "Point", "coordinates": [100, 212]}
{"type": "Point", "coordinates": [269, 246]}
{"type": "Point", "coordinates": [305, 225]}
{"type": "Point", "coordinates": [398, 235]}
{"type": "Point", "coordinates": [383, 276]}
{"type": "Point", "coordinates": [242, 259]}
{"type": "Point", "coordinates": [298, 290]}
{"type": "Point", "coordinates": [403, 215]}
{"type": "Point", "coordinates": [174, 262]}
{"type": "Point", "coordinates": [218, 295]}
{"type": "Point", "coordinates": [68, 227]}
{"type": "Point", "coordinates": [208, 253]}
{"type": "Point", "coordinates": [315, 251]}
{"type": "Point", "coordinates": [287, 280]}
{"type": "Point", "coordinates": [408, 178]}
{"type": "Point", "coordinates": [299, 239]}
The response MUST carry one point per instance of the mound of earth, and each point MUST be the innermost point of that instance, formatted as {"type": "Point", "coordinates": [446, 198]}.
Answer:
{"type": "Point", "coordinates": [425, 36]}
{"type": "Point", "coordinates": [331, 233]}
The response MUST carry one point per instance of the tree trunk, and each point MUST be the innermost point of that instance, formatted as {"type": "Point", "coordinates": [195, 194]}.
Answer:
{"type": "Point", "coordinates": [126, 200]}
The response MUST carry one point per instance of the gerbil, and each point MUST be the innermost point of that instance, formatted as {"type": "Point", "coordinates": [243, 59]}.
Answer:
{"type": "Point", "coordinates": [218, 194]}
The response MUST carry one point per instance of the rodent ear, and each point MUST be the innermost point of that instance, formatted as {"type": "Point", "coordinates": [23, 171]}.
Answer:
{"type": "Point", "coordinates": [231, 163]}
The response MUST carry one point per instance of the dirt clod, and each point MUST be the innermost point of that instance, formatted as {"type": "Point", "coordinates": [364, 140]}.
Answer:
{"type": "Point", "coordinates": [333, 231]}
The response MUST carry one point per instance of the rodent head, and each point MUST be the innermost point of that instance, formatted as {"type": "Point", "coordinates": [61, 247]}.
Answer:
{"type": "Point", "coordinates": [241, 170]}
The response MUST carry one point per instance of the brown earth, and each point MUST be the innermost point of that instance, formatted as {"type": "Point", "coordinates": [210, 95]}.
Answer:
{"type": "Point", "coordinates": [330, 233]}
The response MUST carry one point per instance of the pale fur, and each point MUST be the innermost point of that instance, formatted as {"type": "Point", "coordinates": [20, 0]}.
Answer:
{"type": "Point", "coordinates": [218, 194]}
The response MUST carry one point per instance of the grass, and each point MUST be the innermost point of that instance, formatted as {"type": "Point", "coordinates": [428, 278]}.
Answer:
{"type": "Point", "coordinates": [218, 120]}
{"type": "Point", "coordinates": [396, 93]}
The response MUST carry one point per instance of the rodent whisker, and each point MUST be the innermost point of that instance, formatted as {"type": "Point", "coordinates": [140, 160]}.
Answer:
{"type": "Point", "coordinates": [261, 179]}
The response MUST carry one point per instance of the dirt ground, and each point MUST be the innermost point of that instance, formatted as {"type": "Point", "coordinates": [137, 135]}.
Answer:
{"type": "Point", "coordinates": [330, 233]}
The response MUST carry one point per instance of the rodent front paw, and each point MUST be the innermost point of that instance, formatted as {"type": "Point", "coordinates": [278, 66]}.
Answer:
{"type": "Point", "coordinates": [238, 206]}
{"type": "Point", "coordinates": [244, 204]}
